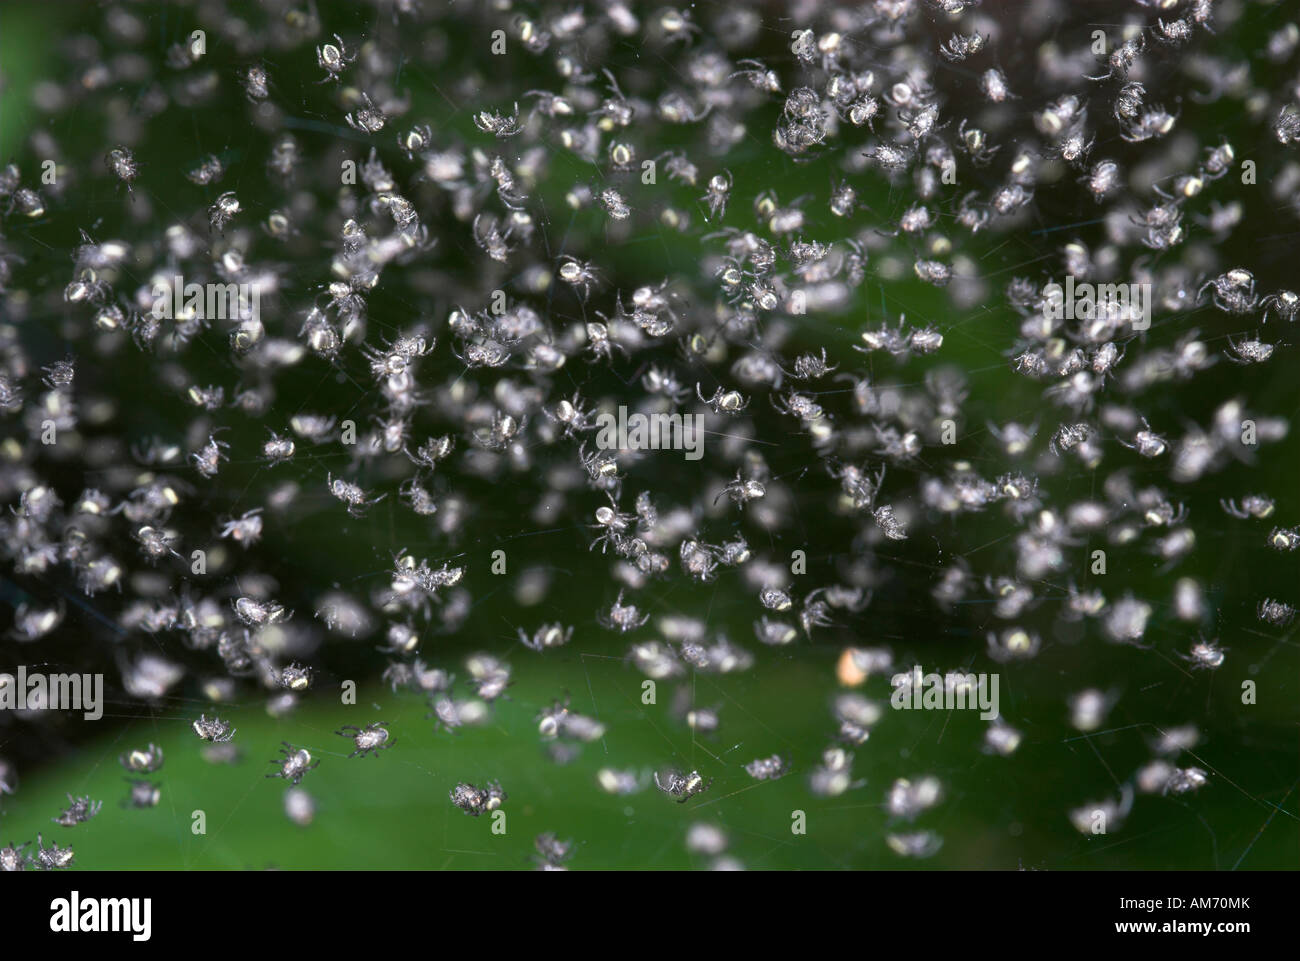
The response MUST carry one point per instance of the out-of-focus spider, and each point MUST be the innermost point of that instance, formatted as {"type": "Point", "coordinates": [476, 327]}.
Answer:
{"type": "Point", "coordinates": [370, 739]}
{"type": "Point", "coordinates": [143, 760]}
{"type": "Point", "coordinates": [546, 636]}
{"type": "Point", "coordinates": [1258, 506]}
{"type": "Point", "coordinates": [815, 613]}
{"type": "Point", "coordinates": [245, 529]}
{"type": "Point", "coordinates": [758, 75]}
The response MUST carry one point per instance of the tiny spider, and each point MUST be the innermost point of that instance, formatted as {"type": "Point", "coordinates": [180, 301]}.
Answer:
{"type": "Point", "coordinates": [79, 810]}
{"type": "Point", "coordinates": [213, 729]}
{"type": "Point", "coordinates": [717, 195]}
{"type": "Point", "coordinates": [474, 801]}
{"type": "Point", "coordinates": [295, 763]}
{"type": "Point", "coordinates": [1284, 539]}
{"type": "Point", "coordinates": [1073, 148]}
{"type": "Point", "coordinates": [1204, 655]}
{"type": "Point", "coordinates": [52, 858]}
{"type": "Point", "coordinates": [369, 118]}
{"type": "Point", "coordinates": [121, 161]}
{"type": "Point", "coordinates": [1285, 302]}
{"type": "Point", "coordinates": [723, 402]}
{"type": "Point", "coordinates": [799, 405]}
{"type": "Point", "coordinates": [260, 614]}
{"type": "Point", "coordinates": [14, 857]}
{"type": "Point", "coordinates": [811, 366]}
{"type": "Point", "coordinates": [207, 459]}
{"type": "Point", "coordinates": [683, 787]}
{"type": "Point", "coordinates": [1146, 442]}
{"type": "Point", "coordinates": [599, 465]}
{"type": "Point", "coordinates": [621, 617]}
{"type": "Point", "coordinates": [332, 58]}
{"type": "Point", "coordinates": [613, 203]}
{"type": "Point", "coordinates": [599, 343]}
{"type": "Point", "coordinates": [742, 491]}
{"type": "Point", "coordinates": [582, 276]}
{"type": "Point", "coordinates": [1277, 613]}
{"type": "Point", "coordinates": [698, 559]}
{"type": "Point", "coordinates": [571, 415]}
{"type": "Point", "coordinates": [370, 739]}
{"type": "Point", "coordinates": [295, 677]}
{"type": "Point", "coordinates": [975, 142]}
{"type": "Point", "coordinates": [415, 140]}
{"type": "Point", "coordinates": [1186, 780]}
{"type": "Point", "coordinates": [1068, 436]}
{"type": "Point", "coordinates": [758, 76]}
{"type": "Point", "coordinates": [889, 524]}
{"type": "Point", "coordinates": [223, 209]}
{"type": "Point", "coordinates": [351, 495]}
{"type": "Point", "coordinates": [774, 599]}
{"type": "Point", "coordinates": [612, 523]}
{"type": "Point", "coordinates": [958, 48]}
{"type": "Point", "coordinates": [1249, 351]}
{"type": "Point", "coordinates": [1233, 292]}
{"type": "Point", "coordinates": [499, 125]}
